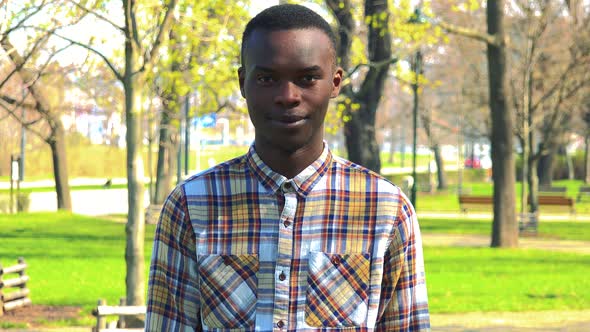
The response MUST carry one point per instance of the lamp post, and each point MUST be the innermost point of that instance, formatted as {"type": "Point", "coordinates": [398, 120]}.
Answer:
{"type": "Point", "coordinates": [417, 63]}
{"type": "Point", "coordinates": [417, 18]}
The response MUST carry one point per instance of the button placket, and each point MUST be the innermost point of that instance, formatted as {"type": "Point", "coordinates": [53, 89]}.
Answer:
{"type": "Point", "coordinates": [284, 257]}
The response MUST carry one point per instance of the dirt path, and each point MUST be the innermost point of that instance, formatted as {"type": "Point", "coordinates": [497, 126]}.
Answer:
{"type": "Point", "coordinates": [541, 321]}
{"type": "Point", "coordinates": [459, 240]}
{"type": "Point", "coordinates": [546, 321]}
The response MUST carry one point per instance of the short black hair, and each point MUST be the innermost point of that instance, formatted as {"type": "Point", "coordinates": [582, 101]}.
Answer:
{"type": "Point", "coordinates": [287, 17]}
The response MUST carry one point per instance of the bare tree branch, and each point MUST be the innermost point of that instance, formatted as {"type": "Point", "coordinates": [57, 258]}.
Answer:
{"type": "Point", "coordinates": [26, 57]}
{"type": "Point", "coordinates": [41, 70]}
{"type": "Point", "coordinates": [12, 113]}
{"type": "Point", "coordinates": [376, 65]}
{"type": "Point", "coordinates": [17, 103]}
{"type": "Point", "coordinates": [98, 15]}
{"type": "Point", "coordinates": [20, 23]}
{"type": "Point", "coordinates": [164, 27]}
{"type": "Point", "coordinates": [556, 86]}
{"type": "Point", "coordinates": [89, 48]}
{"type": "Point", "coordinates": [469, 33]}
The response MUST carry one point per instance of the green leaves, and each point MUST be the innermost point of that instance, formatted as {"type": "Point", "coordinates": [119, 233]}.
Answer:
{"type": "Point", "coordinates": [202, 55]}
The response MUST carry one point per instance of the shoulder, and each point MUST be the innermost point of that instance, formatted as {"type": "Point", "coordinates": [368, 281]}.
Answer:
{"type": "Point", "coordinates": [361, 173]}
{"type": "Point", "coordinates": [233, 168]}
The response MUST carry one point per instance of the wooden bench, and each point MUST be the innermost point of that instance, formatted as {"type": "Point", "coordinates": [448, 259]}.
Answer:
{"type": "Point", "coordinates": [584, 191]}
{"type": "Point", "coordinates": [102, 311]}
{"type": "Point", "coordinates": [558, 201]}
{"type": "Point", "coordinates": [543, 200]}
{"type": "Point", "coordinates": [474, 200]}
{"type": "Point", "coordinates": [19, 296]}
{"type": "Point", "coordinates": [551, 191]}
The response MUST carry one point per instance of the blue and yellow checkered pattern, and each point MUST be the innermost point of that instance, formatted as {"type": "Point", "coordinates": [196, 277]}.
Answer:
{"type": "Point", "coordinates": [240, 247]}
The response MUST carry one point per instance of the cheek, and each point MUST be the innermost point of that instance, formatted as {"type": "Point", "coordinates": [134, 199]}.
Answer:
{"type": "Point", "coordinates": [255, 94]}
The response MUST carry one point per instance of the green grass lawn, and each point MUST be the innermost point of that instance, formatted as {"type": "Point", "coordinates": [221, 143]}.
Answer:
{"type": "Point", "coordinates": [76, 260]}
{"type": "Point", "coordinates": [72, 259]}
{"type": "Point", "coordinates": [485, 279]}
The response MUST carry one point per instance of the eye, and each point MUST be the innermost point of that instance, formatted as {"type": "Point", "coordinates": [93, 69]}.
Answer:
{"type": "Point", "coordinates": [265, 79]}
{"type": "Point", "coordinates": [309, 79]}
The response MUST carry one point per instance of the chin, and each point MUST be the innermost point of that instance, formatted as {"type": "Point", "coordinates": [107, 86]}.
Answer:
{"type": "Point", "coordinates": [287, 145]}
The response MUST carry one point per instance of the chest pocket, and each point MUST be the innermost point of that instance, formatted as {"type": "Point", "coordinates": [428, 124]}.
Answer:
{"type": "Point", "coordinates": [337, 290]}
{"type": "Point", "coordinates": [228, 286]}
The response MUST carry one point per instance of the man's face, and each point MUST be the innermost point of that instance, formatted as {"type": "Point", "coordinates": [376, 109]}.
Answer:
{"type": "Point", "coordinates": [288, 78]}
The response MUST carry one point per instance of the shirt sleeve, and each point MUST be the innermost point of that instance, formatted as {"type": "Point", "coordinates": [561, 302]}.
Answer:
{"type": "Point", "coordinates": [173, 298]}
{"type": "Point", "coordinates": [404, 300]}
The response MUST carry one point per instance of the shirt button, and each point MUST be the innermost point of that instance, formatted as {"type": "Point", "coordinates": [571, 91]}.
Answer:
{"type": "Point", "coordinates": [335, 260]}
{"type": "Point", "coordinates": [280, 324]}
{"type": "Point", "coordinates": [287, 223]}
{"type": "Point", "coordinates": [287, 186]}
{"type": "Point", "coordinates": [282, 276]}
{"type": "Point", "coordinates": [226, 260]}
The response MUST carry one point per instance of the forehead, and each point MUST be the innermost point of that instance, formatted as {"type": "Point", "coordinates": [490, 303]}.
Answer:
{"type": "Point", "coordinates": [288, 47]}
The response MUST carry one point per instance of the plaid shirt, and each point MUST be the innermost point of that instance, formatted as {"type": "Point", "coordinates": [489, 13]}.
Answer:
{"type": "Point", "coordinates": [240, 247]}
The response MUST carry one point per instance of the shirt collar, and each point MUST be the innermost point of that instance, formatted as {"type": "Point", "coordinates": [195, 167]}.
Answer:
{"type": "Point", "coordinates": [302, 182]}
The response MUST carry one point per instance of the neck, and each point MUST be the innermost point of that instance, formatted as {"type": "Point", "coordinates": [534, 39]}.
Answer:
{"type": "Point", "coordinates": [288, 163]}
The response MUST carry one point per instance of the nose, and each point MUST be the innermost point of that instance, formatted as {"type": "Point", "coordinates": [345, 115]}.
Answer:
{"type": "Point", "coordinates": [288, 94]}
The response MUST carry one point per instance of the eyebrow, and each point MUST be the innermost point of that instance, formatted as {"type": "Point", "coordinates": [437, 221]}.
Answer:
{"type": "Point", "coordinates": [306, 69]}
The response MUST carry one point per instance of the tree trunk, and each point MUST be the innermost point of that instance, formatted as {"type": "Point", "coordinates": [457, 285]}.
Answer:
{"type": "Point", "coordinates": [133, 80]}
{"type": "Point", "coordinates": [135, 228]}
{"type": "Point", "coordinates": [570, 166]}
{"type": "Point", "coordinates": [545, 168]}
{"type": "Point", "coordinates": [361, 143]}
{"type": "Point", "coordinates": [505, 225]}
{"type": "Point", "coordinates": [167, 150]}
{"type": "Point", "coordinates": [134, 254]}
{"type": "Point", "coordinates": [391, 157]}
{"type": "Point", "coordinates": [57, 142]}
{"type": "Point", "coordinates": [533, 185]}
{"type": "Point", "coordinates": [587, 160]}
{"type": "Point", "coordinates": [440, 168]}
{"type": "Point", "coordinates": [359, 131]}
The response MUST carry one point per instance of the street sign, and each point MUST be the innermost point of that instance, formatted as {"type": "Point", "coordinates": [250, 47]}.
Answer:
{"type": "Point", "coordinates": [15, 175]}
{"type": "Point", "coordinates": [208, 120]}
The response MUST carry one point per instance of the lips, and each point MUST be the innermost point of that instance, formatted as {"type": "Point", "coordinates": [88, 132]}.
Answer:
{"type": "Point", "coordinates": [288, 121]}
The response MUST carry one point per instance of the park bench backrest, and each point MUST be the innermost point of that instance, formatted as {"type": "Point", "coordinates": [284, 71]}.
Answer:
{"type": "Point", "coordinates": [102, 311]}
{"type": "Point", "coordinates": [549, 189]}
{"type": "Point", "coordinates": [15, 298]}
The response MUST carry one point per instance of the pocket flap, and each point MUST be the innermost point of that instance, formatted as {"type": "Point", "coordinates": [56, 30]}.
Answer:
{"type": "Point", "coordinates": [337, 289]}
{"type": "Point", "coordinates": [228, 285]}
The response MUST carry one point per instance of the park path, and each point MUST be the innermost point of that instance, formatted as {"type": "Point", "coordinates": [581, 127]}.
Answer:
{"type": "Point", "coordinates": [539, 321]}
{"type": "Point", "coordinates": [470, 240]}
{"type": "Point", "coordinates": [543, 321]}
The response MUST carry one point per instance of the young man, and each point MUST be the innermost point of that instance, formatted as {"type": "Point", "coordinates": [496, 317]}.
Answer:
{"type": "Point", "coordinates": [287, 237]}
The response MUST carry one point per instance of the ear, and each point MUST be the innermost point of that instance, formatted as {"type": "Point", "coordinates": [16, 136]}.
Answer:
{"type": "Point", "coordinates": [241, 79]}
{"type": "Point", "coordinates": [336, 82]}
